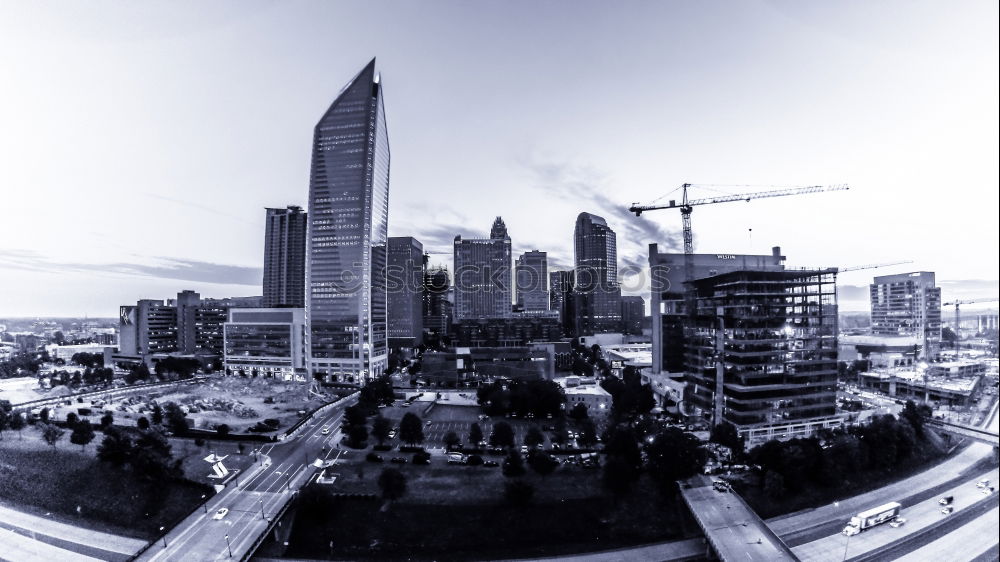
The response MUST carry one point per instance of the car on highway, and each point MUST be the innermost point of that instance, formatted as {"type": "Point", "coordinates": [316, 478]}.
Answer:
{"type": "Point", "coordinates": [947, 510]}
{"type": "Point", "coordinates": [326, 431]}
{"type": "Point", "coordinates": [220, 513]}
{"type": "Point", "coordinates": [988, 491]}
{"type": "Point", "coordinates": [946, 500]}
{"type": "Point", "coordinates": [984, 483]}
{"type": "Point", "coordinates": [897, 522]}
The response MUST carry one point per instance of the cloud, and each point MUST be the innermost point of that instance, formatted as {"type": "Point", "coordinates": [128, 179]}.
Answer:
{"type": "Point", "coordinates": [161, 268]}
{"type": "Point", "coordinates": [590, 189]}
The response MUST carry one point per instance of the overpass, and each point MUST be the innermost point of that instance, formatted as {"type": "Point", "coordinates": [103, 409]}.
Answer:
{"type": "Point", "coordinates": [973, 432]}
{"type": "Point", "coordinates": [733, 530]}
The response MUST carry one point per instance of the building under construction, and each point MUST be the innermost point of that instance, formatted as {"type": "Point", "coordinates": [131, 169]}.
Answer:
{"type": "Point", "coordinates": [768, 339]}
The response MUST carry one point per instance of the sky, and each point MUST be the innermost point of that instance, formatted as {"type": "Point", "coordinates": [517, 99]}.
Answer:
{"type": "Point", "coordinates": [141, 141]}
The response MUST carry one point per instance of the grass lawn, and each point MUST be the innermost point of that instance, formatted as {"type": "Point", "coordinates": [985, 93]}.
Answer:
{"type": "Point", "coordinates": [565, 516]}
{"type": "Point", "coordinates": [54, 482]}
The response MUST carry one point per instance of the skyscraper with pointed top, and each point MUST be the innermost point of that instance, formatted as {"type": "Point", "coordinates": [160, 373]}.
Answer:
{"type": "Point", "coordinates": [348, 232]}
{"type": "Point", "coordinates": [483, 275]}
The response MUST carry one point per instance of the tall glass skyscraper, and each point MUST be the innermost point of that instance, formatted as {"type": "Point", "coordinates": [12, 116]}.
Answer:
{"type": "Point", "coordinates": [348, 231]}
{"type": "Point", "coordinates": [596, 291]}
{"type": "Point", "coordinates": [285, 258]}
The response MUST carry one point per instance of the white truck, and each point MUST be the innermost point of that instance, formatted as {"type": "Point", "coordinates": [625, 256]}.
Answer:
{"type": "Point", "coordinates": [872, 517]}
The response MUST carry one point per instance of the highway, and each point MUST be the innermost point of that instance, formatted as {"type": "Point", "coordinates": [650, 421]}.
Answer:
{"type": "Point", "coordinates": [260, 495]}
{"type": "Point", "coordinates": [965, 543]}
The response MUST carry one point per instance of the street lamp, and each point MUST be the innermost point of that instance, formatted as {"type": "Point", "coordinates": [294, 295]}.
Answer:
{"type": "Point", "coordinates": [262, 508]}
{"type": "Point", "coordinates": [204, 503]}
{"type": "Point", "coordinates": [164, 537]}
{"type": "Point", "coordinates": [229, 546]}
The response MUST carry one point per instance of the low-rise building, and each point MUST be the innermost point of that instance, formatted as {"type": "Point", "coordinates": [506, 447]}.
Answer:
{"type": "Point", "coordinates": [266, 342]}
{"type": "Point", "coordinates": [586, 392]}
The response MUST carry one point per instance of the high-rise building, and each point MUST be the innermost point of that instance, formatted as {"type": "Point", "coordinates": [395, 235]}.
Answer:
{"type": "Point", "coordinates": [348, 231]}
{"type": "Point", "coordinates": [405, 291]}
{"type": "Point", "coordinates": [285, 257]}
{"type": "Point", "coordinates": [633, 312]}
{"type": "Point", "coordinates": [483, 275]}
{"type": "Point", "coordinates": [908, 304]}
{"type": "Point", "coordinates": [596, 289]}
{"type": "Point", "coordinates": [760, 352]}
{"type": "Point", "coordinates": [531, 280]}
{"type": "Point", "coordinates": [438, 310]}
{"type": "Point", "coordinates": [667, 278]}
{"type": "Point", "coordinates": [561, 298]}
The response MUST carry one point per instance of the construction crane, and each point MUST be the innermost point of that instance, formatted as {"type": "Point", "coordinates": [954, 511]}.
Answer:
{"type": "Point", "coordinates": [686, 206]}
{"type": "Point", "coordinates": [873, 266]}
{"type": "Point", "coordinates": [958, 313]}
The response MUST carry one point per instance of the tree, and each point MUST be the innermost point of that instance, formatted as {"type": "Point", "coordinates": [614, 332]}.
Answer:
{"type": "Point", "coordinates": [354, 415]}
{"type": "Point", "coordinates": [560, 434]}
{"type": "Point", "coordinates": [774, 484]}
{"type": "Point", "coordinates": [175, 418]}
{"type": "Point", "coordinates": [108, 419]}
{"type": "Point", "coordinates": [82, 434]}
{"type": "Point", "coordinates": [17, 423]}
{"type": "Point", "coordinates": [151, 457]}
{"type": "Point", "coordinates": [502, 435]}
{"type": "Point", "coordinates": [223, 429]}
{"type": "Point", "coordinates": [475, 434]}
{"type": "Point", "coordinates": [411, 429]}
{"type": "Point", "coordinates": [44, 415]}
{"type": "Point", "coordinates": [534, 437]}
{"type": "Point", "coordinates": [916, 415]}
{"type": "Point", "coordinates": [116, 448]}
{"type": "Point", "coordinates": [356, 436]}
{"type": "Point", "coordinates": [51, 434]}
{"type": "Point", "coordinates": [4, 421]}
{"type": "Point", "coordinates": [392, 483]}
{"type": "Point", "coordinates": [142, 423]}
{"type": "Point", "coordinates": [542, 463]}
{"type": "Point", "coordinates": [513, 465]}
{"type": "Point", "coordinates": [381, 428]}
{"type": "Point", "coordinates": [518, 492]}
{"type": "Point", "coordinates": [451, 439]}
{"type": "Point", "coordinates": [157, 415]}
{"type": "Point", "coordinates": [588, 433]}
{"type": "Point", "coordinates": [725, 434]}
{"type": "Point", "coordinates": [674, 455]}
{"type": "Point", "coordinates": [578, 411]}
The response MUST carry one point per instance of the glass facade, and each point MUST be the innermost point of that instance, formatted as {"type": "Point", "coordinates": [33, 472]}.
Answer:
{"type": "Point", "coordinates": [597, 293]}
{"type": "Point", "coordinates": [348, 230]}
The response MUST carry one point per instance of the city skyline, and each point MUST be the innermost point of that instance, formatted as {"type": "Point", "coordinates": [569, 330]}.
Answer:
{"type": "Point", "coordinates": [903, 109]}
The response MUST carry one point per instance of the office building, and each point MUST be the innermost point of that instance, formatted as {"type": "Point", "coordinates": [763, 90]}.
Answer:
{"type": "Point", "coordinates": [483, 275]}
{"type": "Point", "coordinates": [667, 277]}
{"type": "Point", "coordinates": [405, 292]}
{"type": "Point", "coordinates": [561, 298]}
{"type": "Point", "coordinates": [438, 310]}
{"type": "Point", "coordinates": [633, 312]}
{"type": "Point", "coordinates": [348, 231]}
{"type": "Point", "coordinates": [516, 330]}
{"type": "Point", "coordinates": [266, 342]}
{"type": "Point", "coordinates": [908, 305]}
{"type": "Point", "coordinates": [531, 280]}
{"type": "Point", "coordinates": [760, 352]}
{"type": "Point", "coordinates": [596, 290]}
{"type": "Point", "coordinates": [285, 257]}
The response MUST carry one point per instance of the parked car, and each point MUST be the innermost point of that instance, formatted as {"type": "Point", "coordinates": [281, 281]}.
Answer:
{"type": "Point", "coordinates": [398, 460]}
{"type": "Point", "coordinates": [392, 433]}
{"type": "Point", "coordinates": [220, 513]}
{"type": "Point", "coordinates": [372, 457]}
{"type": "Point", "coordinates": [491, 463]}
{"type": "Point", "coordinates": [456, 458]}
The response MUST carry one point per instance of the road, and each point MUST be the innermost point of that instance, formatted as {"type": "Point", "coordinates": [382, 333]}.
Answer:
{"type": "Point", "coordinates": [255, 500]}
{"type": "Point", "coordinates": [966, 543]}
